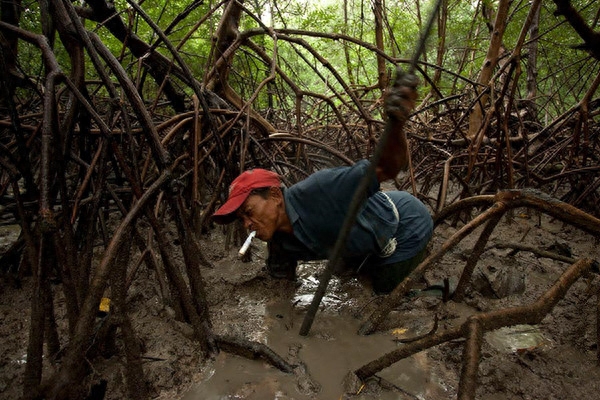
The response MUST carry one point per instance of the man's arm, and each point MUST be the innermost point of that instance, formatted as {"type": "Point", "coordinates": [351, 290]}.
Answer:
{"type": "Point", "coordinates": [399, 102]}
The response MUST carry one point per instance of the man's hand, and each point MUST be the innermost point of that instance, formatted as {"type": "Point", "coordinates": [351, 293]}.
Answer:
{"type": "Point", "coordinates": [399, 102]}
{"type": "Point", "coordinates": [401, 96]}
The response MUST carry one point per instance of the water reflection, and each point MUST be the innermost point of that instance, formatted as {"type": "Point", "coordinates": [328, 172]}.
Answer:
{"type": "Point", "coordinates": [516, 338]}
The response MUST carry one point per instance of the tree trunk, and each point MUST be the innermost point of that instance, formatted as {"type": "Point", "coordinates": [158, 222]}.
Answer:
{"type": "Point", "coordinates": [532, 71]}
{"type": "Point", "coordinates": [441, 45]}
{"type": "Point", "coordinates": [10, 12]}
{"type": "Point", "coordinates": [346, 47]}
{"type": "Point", "coordinates": [33, 368]}
{"type": "Point", "coordinates": [382, 77]}
{"type": "Point", "coordinates": [491, 60]}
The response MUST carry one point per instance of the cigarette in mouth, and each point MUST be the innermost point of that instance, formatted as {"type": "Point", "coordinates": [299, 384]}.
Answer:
{"type": "Point", "coordinates": [246, 244]}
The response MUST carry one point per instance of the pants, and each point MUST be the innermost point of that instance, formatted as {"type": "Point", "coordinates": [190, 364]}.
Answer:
{"type": "Point", "coordinates": [385, 278]}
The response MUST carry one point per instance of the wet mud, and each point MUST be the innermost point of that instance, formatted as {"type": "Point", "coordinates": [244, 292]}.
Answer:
{"type": "Point", "coordinates": [323, 358]}
{"type": "Point", "coordinates": [556, 359]}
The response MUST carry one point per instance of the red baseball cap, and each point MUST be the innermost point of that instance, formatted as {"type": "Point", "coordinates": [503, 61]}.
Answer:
{"type": "Point", "coordinates": [240, 189]}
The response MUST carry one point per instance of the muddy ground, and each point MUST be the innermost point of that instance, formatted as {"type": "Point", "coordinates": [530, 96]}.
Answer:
{"type": "Point", "coordinates": [556, 359]}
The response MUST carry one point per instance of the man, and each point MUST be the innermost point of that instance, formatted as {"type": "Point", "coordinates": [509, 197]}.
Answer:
{"type": "Point", "coordinates": [391, 231]}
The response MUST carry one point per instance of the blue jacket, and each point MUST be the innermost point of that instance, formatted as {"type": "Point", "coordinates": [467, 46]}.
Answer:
{"type": "Point", "coordinates": [317, 207]}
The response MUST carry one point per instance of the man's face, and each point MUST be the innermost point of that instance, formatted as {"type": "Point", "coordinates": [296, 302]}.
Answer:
{"type": "Point", "coordinates": [261, 214]}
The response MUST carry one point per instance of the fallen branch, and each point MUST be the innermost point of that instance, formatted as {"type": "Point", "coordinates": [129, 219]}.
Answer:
{"type": "Point", "coordinates": [540, 253]}
{"type": "Point", "coordinates": [476, 325]}
{"type": "Point", "coordinates": [253, 351]}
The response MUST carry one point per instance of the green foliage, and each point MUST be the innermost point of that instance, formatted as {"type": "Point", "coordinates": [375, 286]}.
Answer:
{"type": "Point", "coordinates": [563, 72]}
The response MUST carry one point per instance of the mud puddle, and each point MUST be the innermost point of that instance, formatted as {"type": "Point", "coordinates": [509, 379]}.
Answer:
{"type": "Point", "coordinates": [329, 352]}
{"type": "Point", "coordinates": [325, 356]}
